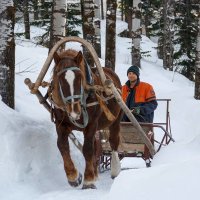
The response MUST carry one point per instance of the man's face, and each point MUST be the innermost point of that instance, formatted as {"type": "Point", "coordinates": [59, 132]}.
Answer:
{"type": "Point", "coordinates": [132, 77]}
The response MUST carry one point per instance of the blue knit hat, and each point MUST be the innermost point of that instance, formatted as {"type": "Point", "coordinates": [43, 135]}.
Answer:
{"type": "Point", "coordinates": [134, 69]}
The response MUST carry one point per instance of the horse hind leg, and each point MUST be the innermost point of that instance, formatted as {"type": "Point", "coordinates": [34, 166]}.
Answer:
{"type": "Point", "coordinates": [74, 178]}
{"type": "Point", "coordinates": [114, 140]}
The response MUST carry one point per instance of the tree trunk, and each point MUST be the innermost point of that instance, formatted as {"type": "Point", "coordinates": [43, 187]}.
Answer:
{"type": "Point", "coordinates": [35, 7]}
{"type": "Point", "coordinates": [102, 10]}
{"type": "Point", "coordinates": [168, 50]}
{"type": "Point", "coordinates": [26, 20]}
{"type": "Point", "coordinates": [128, 16]}
{"type": "Point", "coordinates": [88, 27]}
{"type": "Point", "coordinates": [136, 33]}
{"type": "Point", "coordinates": [58, 26]}
{"type": "Point", "coordinates": [7, 52]}
{"type": "Point", "coordinates": [160, 47]}
{"type": "Point", "coordinates": [97, 27]}
{"type": "Point", "coordinates": [197, 65]}
{"type": "Point", "coordinates": [161, 38]}
{"type": "Point", "coordinates": [146, 19]}
{"type": "Point", "coordinates": [188, 22]}
{"type": "Point", "coordinates": [110, 34]}
{"type": "Point", "coordinates": [122, 10]}
{"type": "Point", "coordinates": [44, 10]}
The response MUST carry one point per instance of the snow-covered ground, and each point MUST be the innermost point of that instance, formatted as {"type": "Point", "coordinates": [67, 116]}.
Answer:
{"type": "Point", "coordinates": [30, 163]}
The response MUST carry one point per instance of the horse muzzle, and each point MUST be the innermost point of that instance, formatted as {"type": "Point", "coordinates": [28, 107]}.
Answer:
{"type": "Point", "coordinates": [74, 116]}
{"type": "Point", "coordinates": [74, 110]}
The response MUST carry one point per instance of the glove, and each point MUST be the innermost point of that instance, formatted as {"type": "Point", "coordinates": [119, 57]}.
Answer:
{"type": "Point", "coordinates": [136, 110]}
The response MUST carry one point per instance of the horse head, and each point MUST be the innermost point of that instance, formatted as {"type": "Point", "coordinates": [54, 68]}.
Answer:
{"type": "Point", "coordinates": [68, 83]}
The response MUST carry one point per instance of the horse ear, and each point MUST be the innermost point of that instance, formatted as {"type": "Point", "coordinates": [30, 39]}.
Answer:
{"type": "Point", "coordinates": [79, 57]}
{"type": "Point", "coordinates": [56, 58]}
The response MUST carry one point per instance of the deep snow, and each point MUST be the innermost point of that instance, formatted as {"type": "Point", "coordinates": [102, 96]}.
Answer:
{"type": "Point", "coordinates": [30, 163]}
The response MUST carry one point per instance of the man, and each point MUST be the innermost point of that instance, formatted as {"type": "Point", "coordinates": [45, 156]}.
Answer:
{"type": "Point", "coordinates": [139, 97]}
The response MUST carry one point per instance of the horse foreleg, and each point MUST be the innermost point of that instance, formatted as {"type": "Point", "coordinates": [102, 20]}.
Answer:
{"type": "Point", "coordinates": [74, 178]}
{"type": "Point", "coordinates": [90, 174]}
{"type": "Point", "coordinates": [114, 143]}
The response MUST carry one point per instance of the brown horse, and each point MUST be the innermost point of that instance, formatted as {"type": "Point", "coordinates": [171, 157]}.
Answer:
{"type": "Point", "coordinates": [75, 109]}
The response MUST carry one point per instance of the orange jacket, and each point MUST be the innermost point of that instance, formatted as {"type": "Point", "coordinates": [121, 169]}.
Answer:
{"type": "Point", "coordinates": [141, 96]}
{"type": "Point", "coordinates": [143, 93]}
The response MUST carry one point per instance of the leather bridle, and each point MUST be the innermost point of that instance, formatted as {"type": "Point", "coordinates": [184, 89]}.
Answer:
{"type": "Point", "coordinates": [81, 99]}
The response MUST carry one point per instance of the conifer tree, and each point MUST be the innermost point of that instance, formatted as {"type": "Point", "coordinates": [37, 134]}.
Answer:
{"type": "Point", "coordinates": [110, 34]}
{"type": "Point", "coordinates": [186, 34]}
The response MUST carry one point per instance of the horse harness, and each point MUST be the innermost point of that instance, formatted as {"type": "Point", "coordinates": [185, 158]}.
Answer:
{"type": "Point", "coordinates": [102, 101]}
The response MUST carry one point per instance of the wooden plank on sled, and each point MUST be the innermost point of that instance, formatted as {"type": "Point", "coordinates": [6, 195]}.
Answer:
{"type": "Point", "coordinates": [130, 142]}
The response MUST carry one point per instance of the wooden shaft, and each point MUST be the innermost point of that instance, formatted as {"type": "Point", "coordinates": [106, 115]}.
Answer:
{"type": "Point", "coordinates": [43, 101]}
{"type": "Point", "coordinates": [39, 95]}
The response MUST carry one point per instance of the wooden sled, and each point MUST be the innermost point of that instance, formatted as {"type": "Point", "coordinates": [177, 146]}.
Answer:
{"type": "Point", "coordinates": [131, 145]}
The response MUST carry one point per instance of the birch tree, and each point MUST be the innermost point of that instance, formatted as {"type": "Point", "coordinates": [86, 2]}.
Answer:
{"type": "Point", "coordinates": [7, 52]}
{"type": "Point", "coordinates": [136, 33]}
{"type": "Point", "coordinates": [197, 63]}
{"type": "Point", "coordinates": [97, 27]}
{"type": "Point", "coordinates": [168, 34]}
{"type": "Point", "coordinates": [58, 26]}
{"type": "Point", "coordinates": [110, 34]}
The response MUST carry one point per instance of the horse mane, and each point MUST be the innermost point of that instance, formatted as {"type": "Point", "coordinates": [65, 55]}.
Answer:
{"type": "Point", "coordinates": [69, 53]}
{"type": "Point", "coordinates": [64, 54]}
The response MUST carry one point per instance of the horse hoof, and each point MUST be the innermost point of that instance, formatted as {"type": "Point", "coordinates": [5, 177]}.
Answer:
{"type": "Point", "coordinates": [89, 186]}
{"type": "Point", "coordinates": [77, 182]}
{"type": "Point", "coordinates": [115, 165]}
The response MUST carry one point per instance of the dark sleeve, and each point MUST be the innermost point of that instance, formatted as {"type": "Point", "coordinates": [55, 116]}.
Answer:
{"type": "Point", "coordinates": [148, 107]}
